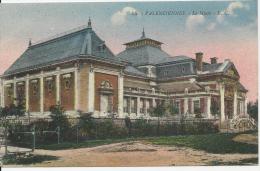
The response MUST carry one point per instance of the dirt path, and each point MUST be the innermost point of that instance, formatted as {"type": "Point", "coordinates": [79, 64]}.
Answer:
{"type": "Point", "coordinates": [138, 153]}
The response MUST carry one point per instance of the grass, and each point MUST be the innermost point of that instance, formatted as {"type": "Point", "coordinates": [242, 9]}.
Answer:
{"type": "Point", "coordinates": [85, 144]}
{"type": "Point", "coordinates": [31, 159]}
{"type": "Point", "coordinates": [248, 161]}
{"type": "Point", "coordinates": [220, 143]}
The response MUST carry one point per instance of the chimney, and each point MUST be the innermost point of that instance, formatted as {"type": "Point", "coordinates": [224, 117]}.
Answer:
{"type": "Point", "coordinates": [213, 60]}
{"type": "Point", "coordinates": [199, 56]}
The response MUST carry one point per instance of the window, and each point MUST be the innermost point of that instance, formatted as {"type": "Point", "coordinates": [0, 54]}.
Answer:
{"type": "Point", "coordinates": [196, 104]}
{"type": "Point", "coordinates": [49, 86]}
{"type": "Point", "coordinates": [141, 105]}
{"type": "Point", "coordinates": [176, 107]}
{"type": "Point", "coordinates": [35, 89]}
{"type": "Point", "coordinates": [133, 105]}
{"type": "Point", "coordinates": [67, 84]}
{"type": "Point", "coordinates": [165, 73]}
{"type": "Point", "coordinates": [182, 69]}
{"type": "Point", "coordinates": [125, 105]}
{"type": "Point", "coordinates": [9, 92]}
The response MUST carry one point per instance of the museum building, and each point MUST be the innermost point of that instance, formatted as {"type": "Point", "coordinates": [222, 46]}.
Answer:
{"type": "Point", "coordinates": [78, 71]}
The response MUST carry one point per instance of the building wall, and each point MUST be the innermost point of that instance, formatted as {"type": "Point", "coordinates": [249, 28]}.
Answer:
{"type": "Point", "coordinates": [84, 81]}
{"type": "Point", "coordinates": [34, 95]}
{"type": "Point", "coordinates": [49, 92]}
{"type": "Point", "coordinates": [9, 95]}
{"type": "Point", "coordinates": [113, 80]}
{"type": "Point", "coordinates": [67, 91]}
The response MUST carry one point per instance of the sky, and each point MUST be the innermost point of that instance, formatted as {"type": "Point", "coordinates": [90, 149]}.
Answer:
{"type": "Point", "coordinates": [222, 29]}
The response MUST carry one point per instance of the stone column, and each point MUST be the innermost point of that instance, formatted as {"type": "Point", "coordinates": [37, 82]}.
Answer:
{"type": "Point", "coordinates": [2, 92]}
{"type": "Point", "coordinates": [41, 93]}
{"type": "Point", "coordinates": [235, 104]}
{"type": "Point", "coordinates": [138, 106]}
{"type": "Point", "coordinates": [27, 93]}
{"type": "Point", "coordinates": [121, 95]}
{"type": "Point", "coordinates": [130, 105]}
{"type": "Point", "coordinates": [154, 103]}
{"type": "Point", "coordinates": [245, 106]}
{"type": "Point", "coordinates": [58, 86]}
{"type": "Point", "coordinates": [91, 89]}
{"type": "Point", "coordinates": [186, 105]}
{"type": "Point", "coordinates": [15, 92]}
{"type": "Point", "coordinates": [209, 106]}
{"type": "Point", "coordinates": [76, 89]}
{"type": "Point", "coordinates": [222, 102]}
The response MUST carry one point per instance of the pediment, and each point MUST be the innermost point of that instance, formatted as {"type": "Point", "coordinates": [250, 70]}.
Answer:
{"type": "Point", "coordinates": [232, 72]}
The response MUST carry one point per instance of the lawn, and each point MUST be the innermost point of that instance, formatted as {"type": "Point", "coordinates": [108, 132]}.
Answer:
{"type": "Point", "coordinates": [213, 143]}
{"type": "Point", "coordinates": [220, 143]}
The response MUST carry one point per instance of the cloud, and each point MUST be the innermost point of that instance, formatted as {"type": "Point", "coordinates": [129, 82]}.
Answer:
{"type": "Point", "coordinates": [194, 20]}
{"type": "Point", "coordinates": [211, 26]}
{"type": "Point", "coordinates": [231, 10]}
{"type": "Point", "coordinates": [120, 17]}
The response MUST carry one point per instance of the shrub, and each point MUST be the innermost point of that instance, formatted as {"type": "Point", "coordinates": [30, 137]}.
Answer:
{"type": "Point", "coordinates": [60, 120]}
{"type": "Point", "coordinates": [143, 128]}
{"type": "Point", "coordinates": [128, 125]}
{"type": "Point", "coordinates": [87, 126]}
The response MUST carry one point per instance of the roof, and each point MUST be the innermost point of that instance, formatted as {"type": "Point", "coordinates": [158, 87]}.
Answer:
{"type": "Point", "coordinates": [81, 42]}
{"type": "Point", "coordinates": [134, 71]}
{"type": "Point", "coordinates": [211, 68]}
{"type": "Point", "coordinates": [219, 67]}
{"type": "Point", "coordinates": [145, 55]}
{"type": "Point", "coordinates": [241, 87]}
{"type": "Point", "coordinates": [143, 38]}
{"type": "Point", "coordinates": [180, 86]}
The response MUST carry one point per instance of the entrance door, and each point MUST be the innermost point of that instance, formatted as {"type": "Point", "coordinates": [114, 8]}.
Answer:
{"type": "Point", "coordinates": [229, 109]}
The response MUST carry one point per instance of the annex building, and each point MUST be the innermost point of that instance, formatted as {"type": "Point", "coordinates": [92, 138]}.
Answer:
{"type": "Point", "coordinates": [78, 71]}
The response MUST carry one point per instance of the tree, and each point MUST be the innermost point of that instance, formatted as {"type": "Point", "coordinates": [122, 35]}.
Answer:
{"type": "Point", "coordinates": [59, 119]}
{"type": "Point", "coordinates": [159, 111]}
{"type": "Point", "coordinates": [58, 116]}
{"type": "Point", "coordinates": [252, 109]}
{"type": "Point", "coordinates": [11, 110]}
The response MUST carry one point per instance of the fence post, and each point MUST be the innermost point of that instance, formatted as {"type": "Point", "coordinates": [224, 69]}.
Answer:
{"type": "Point", "coordinates": [58, 134]}
{"type": "Point", "coordinates": [5, 141]}
{"type": "Point", "coordinates": [77, 134]}
{"type": "Point", "coordinates": [33, 134]}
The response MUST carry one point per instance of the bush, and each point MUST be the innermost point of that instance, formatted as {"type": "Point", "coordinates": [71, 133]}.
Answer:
{"type": "Point", "coordinates": [59, 119]}
{"type": "Point", "coordinates": [87, 126]}
{"type": "Point", "coordinates": [143, 128]}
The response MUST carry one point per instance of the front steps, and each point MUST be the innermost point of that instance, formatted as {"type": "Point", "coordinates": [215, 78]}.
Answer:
{"type": "Point", "coordinates": [238, 124]}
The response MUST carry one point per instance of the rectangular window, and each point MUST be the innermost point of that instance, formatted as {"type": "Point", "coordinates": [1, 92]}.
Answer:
{"type": "Point", "coordinates": [196, 104]}
{"type": "Point", "coordinates": [125, 105]}
{"type": "Point", "coordinates": [133, 105]}
{"type": "Point", "coordinates": [141, 105]}
{"type": "Point", "coordinates": [176, 107]}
